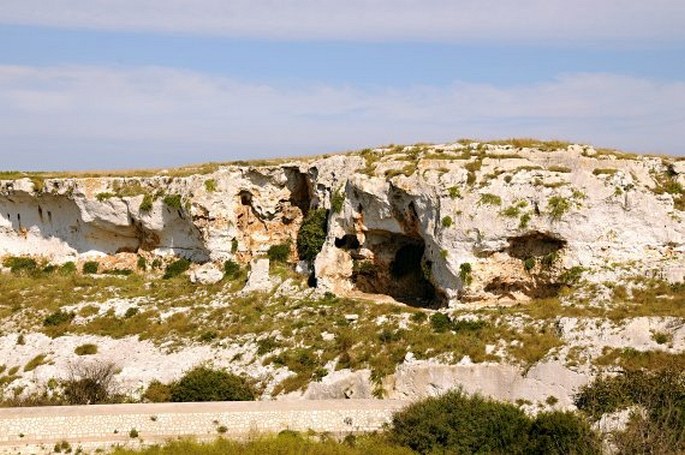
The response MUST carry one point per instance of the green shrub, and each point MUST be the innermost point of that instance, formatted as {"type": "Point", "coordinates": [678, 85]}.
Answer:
{"type": "Point", "coordinates": [20, 264]}
{"type": "Point", "coordinates": [467, 325]}
{"type": "Point", "coordinates": [529, 264]}
{"type": "Point", "coordinates": [440, 322]}
{"type": "Point", "coordinates": [141, 263]}
{"type": "Point", "coordinates": [571, 276]}
{"type": "Point", "coordinates": [489, 199]}
{"type": "Point", "coordinates": [210, 185]}
{"type": "Point", "coordinates": [465, 273]}
{"type": "Point", "coordinates": [661, 429]}
{"type": "Point", "coordinates": [558, 206]}
{"type": "Point", "coordinates": [204, 384]}
{"type": "Point", "coordinates": [35, 362]}
{"type": "Point", "coordinates": [68, 268]}
{"type": "Point", "coordinates": [174, 201]}
{"type": "Point", "coordinates": [157, 392]}
{"type": "Point", "coordinates": [279, 253]}
{"type": "Point", "coordinates": [59, 317]}
{"type": "Point", "coordinates": [447, 222]}
{"type": "Point", "coordinates": [176, 268]}
{"type": "Point", "coordinates": [456, 423]}
{"type": "Point", "coordinates": [146, 203]}
{"type": "Point", "coordinates": [86, 349]}
{"type": "Point", "coordinates": [562, 433]}
{"type": "Point", "coordinates": [337, 201]}
{"type": "Point", "coordinates": [454, 192]}
{"type": "Point", "coordinates": [524, 220]}
{"type": "Point", "coordinates": [101, 197]}
{"type": "Point", "coordinates": [312, 234]}
{"type": "Point", "coordinates": [231, 269]}
{"type": "Point", "coordinates": [91, 267]}
{"type": "Point", "coordinates": [130, 312]}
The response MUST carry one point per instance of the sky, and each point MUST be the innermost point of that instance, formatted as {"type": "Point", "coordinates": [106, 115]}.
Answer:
{"type": "Point", "coordinates": [105, 84]}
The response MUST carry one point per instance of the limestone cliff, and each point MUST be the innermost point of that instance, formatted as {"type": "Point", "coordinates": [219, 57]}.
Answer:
{"type": "Point", "coordinates": [428, 224]}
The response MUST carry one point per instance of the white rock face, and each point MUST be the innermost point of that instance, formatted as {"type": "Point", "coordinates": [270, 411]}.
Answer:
{"type": "Point", "coordinates": [258, 279]}
{"type": "Point", "coordinates": [206, 274]}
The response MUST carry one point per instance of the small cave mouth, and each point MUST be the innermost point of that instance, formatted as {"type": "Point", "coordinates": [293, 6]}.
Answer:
{"type": "Point", "coordinates": [300, 189]}
{"type": "Point", "coordinates": [347, 242]}
{"type": "Point", "coordinates": [534, 245]}
{"type": "Point", "coordinates": [539, 254]}
{"type": "Point", "coordinates": [245, 197]}
{"type": "Point", "coordinates": [397, 269]}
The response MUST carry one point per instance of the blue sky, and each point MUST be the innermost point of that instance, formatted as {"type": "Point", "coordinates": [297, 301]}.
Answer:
{"type": "Point", "coordinates": [117, 84]}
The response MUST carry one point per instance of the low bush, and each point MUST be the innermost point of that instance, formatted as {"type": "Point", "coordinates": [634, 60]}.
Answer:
{"type": "Point", "coordinates": [558, 206]}
{"type": "Point", "coordinates": [59, 317]}
{"type": "Point", "coordinates": [89, 383]}
{"type": "Point", "coordinates": [457, 423]}
{"type": "Point", "coordinates": [86, 349]}
{"type": "Point", "coordinates": [173, 201]}
{"type": "Point", "coordinates": [660, 393]}
{"type": "Point", "coordinates": [91, 267]}
{"type": "Point", "coordinates": [176, 268]}
{"type": "Point", "coordinates": [279, 253]}
{"type": "Point", "coordinates": [561, 433]}
{"type": "Point", "coordinates": [205, 384]}
{"type": "Point", "coordinates": [157, 392]}
{"type": "Point", "coordinates": [231, 269]}
{"type": "Point", "coordinates": [440, 322]}
{"type": "Point", "coordinates": [447, 221]}
{"type": "Point", "coordinates": [146, 203]}
{"type": "Point", "coordinates": [461, 424]}
{"type": "Point", "coordinates": [210, 185]}
{"type": "Point", "coordinates": [20, 264]}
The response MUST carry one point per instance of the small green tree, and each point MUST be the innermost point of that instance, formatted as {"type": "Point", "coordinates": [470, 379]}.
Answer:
{"type": "Point", "coordinates": [312, 234]}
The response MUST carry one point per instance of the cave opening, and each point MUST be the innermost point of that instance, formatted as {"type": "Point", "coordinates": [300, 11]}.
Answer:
{"type": "Point", "coordinates": [396, 267]}
{"type": "Point", "coordinates": [534, 245]}
{"type": "Point", "coordinates": [300, 191]}
{"type": "Point", "coordinates": [539, 277]}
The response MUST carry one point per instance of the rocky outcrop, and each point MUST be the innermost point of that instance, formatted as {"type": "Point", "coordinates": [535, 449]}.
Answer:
{"type": "Point", "coordinates": [426, 225]}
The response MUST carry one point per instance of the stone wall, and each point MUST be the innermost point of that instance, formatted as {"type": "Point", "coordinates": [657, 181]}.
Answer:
{"type": "Point", "coordinates": [37, 430]}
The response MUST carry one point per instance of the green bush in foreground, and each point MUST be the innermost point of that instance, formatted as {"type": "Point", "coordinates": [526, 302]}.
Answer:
{"type": "Point", "coordinates": [661, 393]}
{"type": "Point", "coordinates": [457, 423]}
{"type": "Point", "coordinates": [205, 384]}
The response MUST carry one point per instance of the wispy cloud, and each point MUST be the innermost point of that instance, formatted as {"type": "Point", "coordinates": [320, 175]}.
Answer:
{"type": "Point", "coordinates": [75, 116]}
{"type": "Point", "coordinates": [537, 21]}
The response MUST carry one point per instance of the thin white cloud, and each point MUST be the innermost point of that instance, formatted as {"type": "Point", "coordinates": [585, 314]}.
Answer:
{"type": "Point", "coordinates": [76, 116]}
{"type": "Point", "coordinates": [539, 21]}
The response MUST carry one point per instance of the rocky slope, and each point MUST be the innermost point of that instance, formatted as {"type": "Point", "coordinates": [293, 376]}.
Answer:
{"type": "Point", "coordinates": [457, 227]}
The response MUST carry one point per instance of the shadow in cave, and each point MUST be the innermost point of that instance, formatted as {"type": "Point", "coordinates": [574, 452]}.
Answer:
{"type": "Point", "coordinates": [397, 269]}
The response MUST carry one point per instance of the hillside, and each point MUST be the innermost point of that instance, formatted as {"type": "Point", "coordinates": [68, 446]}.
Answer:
{"type": "Point", "coordinates": [517, 269]}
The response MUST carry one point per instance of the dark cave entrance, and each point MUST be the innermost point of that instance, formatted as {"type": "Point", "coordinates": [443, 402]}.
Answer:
{"type": "Point", "coordinates": [539, 254]}
{"type": "Point", "coordinates": [397, 268]}
{"type": "Point", "coordinates": [300, 190]}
